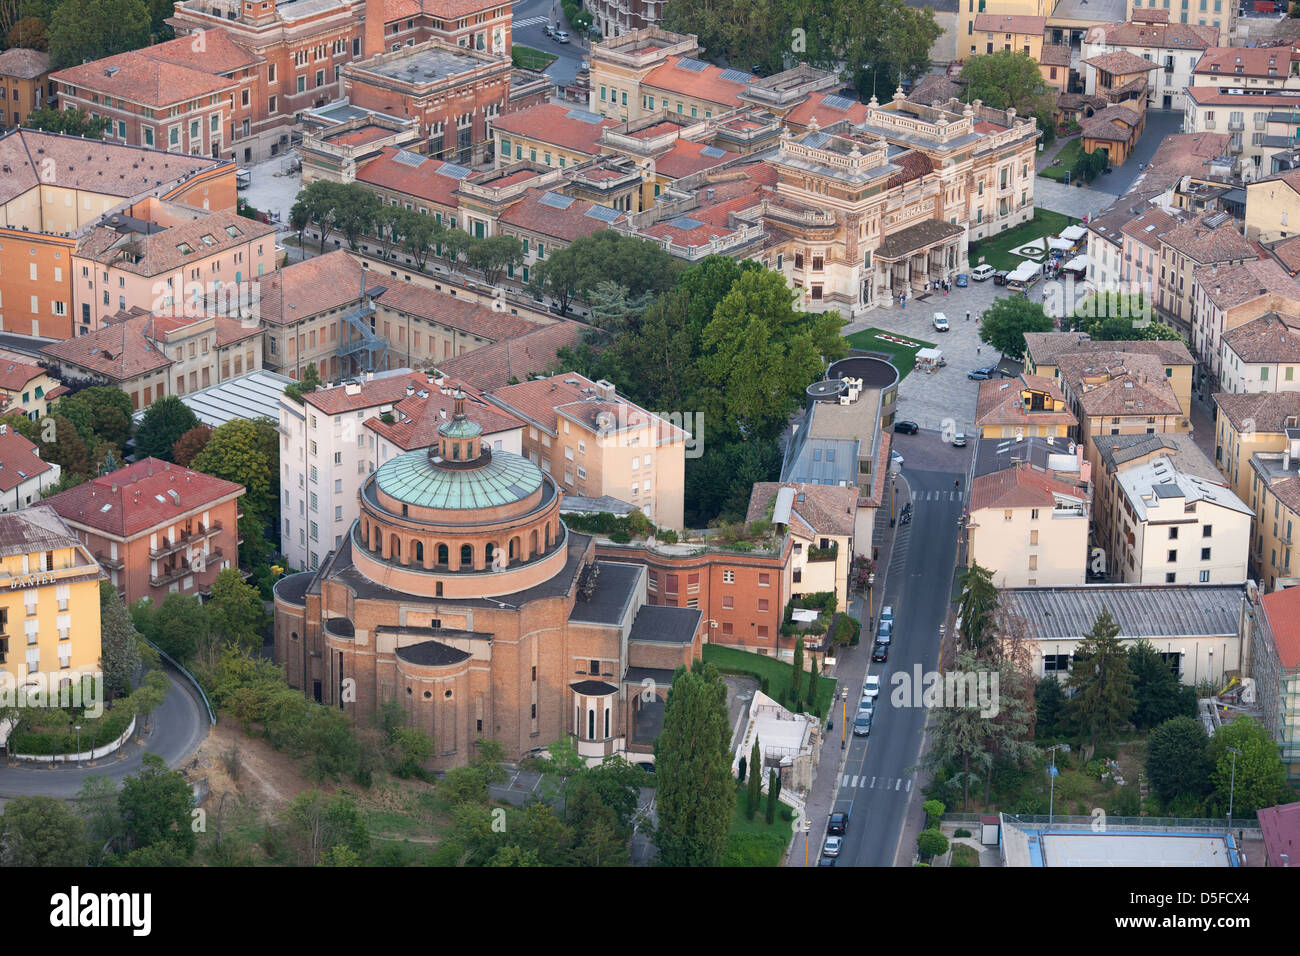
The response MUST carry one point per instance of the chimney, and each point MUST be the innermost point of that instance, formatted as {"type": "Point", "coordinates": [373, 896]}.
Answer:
{"type": "Point", "coordinates": [373, 37]}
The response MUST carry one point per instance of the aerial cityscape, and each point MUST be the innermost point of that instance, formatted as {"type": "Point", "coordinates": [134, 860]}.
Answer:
{"type": "Point", "coordinates": [643, 433]}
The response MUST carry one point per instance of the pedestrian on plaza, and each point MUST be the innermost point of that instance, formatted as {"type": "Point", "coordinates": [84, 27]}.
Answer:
{"type": "Point", "coordinates": [968, 315]}
{"type": "Point", "coordinates": [977, 350]}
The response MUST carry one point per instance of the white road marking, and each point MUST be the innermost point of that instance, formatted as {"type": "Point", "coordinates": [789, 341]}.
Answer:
{"type": "Point", "coordinates": [854, 783]}
{"type": "Point", "coordinates": [873, 783]}
{"type": "Point", "coordinates": [845, 781]}
{"type": "Point", "coordinates": [899, 784]}
{"type": "Point", "coordinates": [909, 786]}
{"type": "Point", "coordinates": [530, 22]}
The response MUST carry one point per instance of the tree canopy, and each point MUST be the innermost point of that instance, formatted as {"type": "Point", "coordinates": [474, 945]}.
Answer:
{"type": "Point", "coordinates": [161, 427]}
{"type": "Point", "coordinates": [1004, 324]}
{"type": "Point", "coordinates": [1011, 79]}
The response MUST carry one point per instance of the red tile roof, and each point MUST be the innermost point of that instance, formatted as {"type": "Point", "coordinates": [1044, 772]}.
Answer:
{"type": "Point", "coordinates": [568, 224]}
{"type": "Point", "coordinates": [24, 64]}
{"type": "Point", "coordinates": [1001, 403]}
{"type": "Point", "coordinates": [1121, 63]}
{"type": "Point", "coordinates": [119, 351]}
{"type": "Point", "coordinates": [493, 366]}
{"type": "Point", "coordinates": [422, 180]}
{"type": "Point", "coordinates": [131, 500]}
{"type": "Point", "coordinates": [824, 509]}
{"type": "Point", "coordinates": [1253, 61]}
{"type": "Point", "coordinates": [997, 23]}
{"type": "Point", "coordinates": [1280, 828]}
{"type": "Point", "coordinates": [359, 136]}
{"type": "Point", "coordinates": [310, 287]}
{"type": "Point", "coordinates": [140, 79]}
{"type": "Point", "coordinates": [212, 51]}
{"type": "Point", "coordinates": [550, 123]}
{"type": "Point", "coordinates": [454, 312]}
{"type": "Point", "coordinates": [14, 375]}
{"type": "Point", "coordinates": [19, 461]}
{"type": "Point", "coordinates": [1282, 608]}
{"type": "Point", "coordinates": [1020, 487]}
{"type": "Point", "coordinates": [816, 107]}
{"type": "Point", "coordinates": [539, 401]}
{"type": "Point", "coordinates": [707, 84]}
{"type": "Point", "coordinates": [687, 157]}
{"type": "Point", "coordinates": [417, 417]}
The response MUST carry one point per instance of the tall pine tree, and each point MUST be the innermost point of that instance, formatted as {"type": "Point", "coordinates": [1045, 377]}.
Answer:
{"type": "Point", "coordinates": [1101, 681]}
{"type": "Point", "coordinates": [755, 793]}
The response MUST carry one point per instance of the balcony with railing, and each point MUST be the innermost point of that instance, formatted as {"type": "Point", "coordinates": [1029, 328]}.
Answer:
{"type": "Point", "coordinates": [104, 560]}
{"type": "Point", "coordinates": [1236, 125]}
{"type": "Point", "coordinates": [184, 540]}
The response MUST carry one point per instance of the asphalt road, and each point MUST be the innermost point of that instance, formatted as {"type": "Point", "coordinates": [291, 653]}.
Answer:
{"type": "Point", "coordinates": [880, 771]}
{"type": "Point", "coordinates": [529, 29]}
{"type": "Point", "coordinates": [175, 730]}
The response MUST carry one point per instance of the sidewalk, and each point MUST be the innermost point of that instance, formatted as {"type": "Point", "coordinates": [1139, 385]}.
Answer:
{"type": "Point", "coordinates": [850, 669]}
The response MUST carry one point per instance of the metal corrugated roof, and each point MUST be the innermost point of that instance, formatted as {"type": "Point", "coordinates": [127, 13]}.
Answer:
{"type": "Point", "coordinates": [1150, 611]}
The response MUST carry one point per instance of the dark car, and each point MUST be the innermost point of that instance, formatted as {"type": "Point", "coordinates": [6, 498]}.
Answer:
{"type": "Point", "coordinates": [839, 823]}
{"type": "Point", "coordinates": [962, 280]}
{"type": "Point", "coordinates": [1000, 277]}
{"type": "Point", "coordinates": [979, 375]}
{"type": "Point", "coordinates": [906, 428]}
{"type": "Point", "coordinates": [827, 861]}
{"type": "Point", "coordinates": [880, 653]}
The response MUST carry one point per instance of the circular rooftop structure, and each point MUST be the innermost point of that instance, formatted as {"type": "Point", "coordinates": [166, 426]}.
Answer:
{"type": "Point", "coordinates": [421, 479]}
{"type": "Point", "coordinates": [874, 372]}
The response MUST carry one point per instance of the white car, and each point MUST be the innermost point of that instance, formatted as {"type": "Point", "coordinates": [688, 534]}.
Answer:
{"type": "Point", "coordinates": [980, 273]}
{"type": "Point", "coordinates": [872, 686]}
{"type": "Point", "coordinates": [897, 459]}
{"type": "Point", "coordinates": [832, 846]}
{"type": "Point", "coordinates": [940, 322]}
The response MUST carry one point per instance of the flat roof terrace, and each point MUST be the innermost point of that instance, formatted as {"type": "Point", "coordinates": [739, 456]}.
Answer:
{"type": "Point", "coordinates": [421, 65]}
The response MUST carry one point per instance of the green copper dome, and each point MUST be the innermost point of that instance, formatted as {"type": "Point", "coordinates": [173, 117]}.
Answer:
{"type": "Point", "coordinates": [417, 480]}
{"type": "Point", "coordinates": [460, 427]}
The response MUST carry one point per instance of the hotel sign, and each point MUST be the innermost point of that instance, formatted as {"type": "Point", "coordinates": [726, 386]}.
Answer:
{"type": "Point", "coordinates": [30, 581]}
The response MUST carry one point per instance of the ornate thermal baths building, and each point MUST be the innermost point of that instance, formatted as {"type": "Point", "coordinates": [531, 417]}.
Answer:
{"type": "Point", "coordinates": [460, 594]}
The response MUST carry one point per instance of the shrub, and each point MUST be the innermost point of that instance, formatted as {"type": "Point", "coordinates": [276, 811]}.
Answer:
{"type": "Point", "coordinates": [1072, 785]}
{"type": "Point", "coordinates": [933, 811]}
{"type": "Point", "coordinates": [962, 832]}
{"type": "Point", "coordinates": [668, 536]}
{"type": "Point", "coordinates": [932, 843]}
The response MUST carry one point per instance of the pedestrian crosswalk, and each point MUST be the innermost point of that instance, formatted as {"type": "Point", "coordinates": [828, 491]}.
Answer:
{"type": "Point", "coordinates": [529, 22]}
{"type": "Point", "coordinates": [939, 496]}
{"type": "Point", "coordinates": [854, 782]}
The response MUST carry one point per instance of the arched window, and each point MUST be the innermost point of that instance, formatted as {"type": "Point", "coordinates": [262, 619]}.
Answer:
{"type": "Point", "coordinates": [548, 536]}
{"type": "Point", "coordinates": [607, 722]}
{"type": "Point", "coordinates": [532, 543]}
{"type": "Point", "coordinates": [577, 719]}
{"type": "Point", "coordinates": [591, 724]}
{"type": "Point", "coordinates": [443, 557]}
{"type": "Point", "coordinates": [489, 552]}
{"type": "Point", "coordinates": [466, 556]}
{"type": "Point", "coordinates": [455, 451]}
{"type": "Point", "coordinates": [394, 547]}
{"type": "Point", "coordinates": [513, 552]}
{"type": "Point", "coordinates": [419, 552]}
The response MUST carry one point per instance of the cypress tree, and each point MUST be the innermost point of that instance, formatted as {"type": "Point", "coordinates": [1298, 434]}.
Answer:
{"type": "Point", "coordinates": [773, 791]}
{"type": "Point", "coordinates": [755, 781]}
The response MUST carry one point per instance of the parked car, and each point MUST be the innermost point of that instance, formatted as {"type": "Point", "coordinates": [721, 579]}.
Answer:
{"type": "Point", "coordinates": [980, 273]}
{"type": "Point", "coordinates": [880, 653]}
{"type": "Point", "coordinates": [861, 728]}
{"type": "Point", "coordinates": [550, 29]}
{"type": "Point", "coordinates": [826, 861]}
{"type": "Point", "coordinates": [1000, 277]}
{"type": "Point", "coordinates": [989, 370]}
{"type": "Point", "coordinates": [896, 458]}
{"type": "Point", "coordinates": [866, 703]}
{"type": "Point", "coordinates": [561, 36]}
{"type": "Point", "coordinates": [839, 823]}
{"type": "Point", "coordinates": [906, 428]}
{"type": "Point", "coordinates": [940, 322]}
{"type": "Point", "coordinates": [832, 846]}
{"type": "Point", "coordinates": [887, 612]}
{"type": "Point", "coordinates": [963, 280]}
{"type": "Point", "coordinates": [872, 686]}
{"type": "Point", "coordinates": [885, 632]}
{"type": "Point", "coordinates": [979, 375]}
{"type": "Point", "coordinates": [959, 440]}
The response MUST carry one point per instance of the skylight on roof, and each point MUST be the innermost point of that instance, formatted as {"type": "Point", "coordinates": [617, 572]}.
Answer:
{"type": "Point", "coordinates": [713, 152]}
{"type": "Point", "coordinates": [837, 102]}
{"type": "Point", "coordinates": [452, 171]}
{"type": "Point", "coordinates": [185, 248]}
{"type": "Point", "coordinates": [603, 213]}
{"type": "Point", "coordinates": [584, 116]}
{"type": "Point", "coordinates": [408, 158]}
{"type": "Point", "coordinates": [232, 232]}
{"type": "Point", "coordinates": [208, 240]}
{"type": "Point", "coordinates": [685, 223]}
{"type": "Point", "coordinates": [695, 66]}
{"type": "Point", "coordinates": [556, 200]}
{"type": "Point", "coordinates": [106, 507]}
{"type": "Point", "coordinates": [735, 76]}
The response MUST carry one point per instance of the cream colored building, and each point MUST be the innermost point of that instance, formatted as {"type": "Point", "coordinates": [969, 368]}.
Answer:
{"type": "Point", "coordinates": [1174, 47]}
{"type": "Point", "coordinates": [596, 443]}
{"type": "Point", "coordinates": [26, 389]}
{"type": "Point", "coordinates": [1250, 423]}
{"type": "Point", "coordinates": [1275, 501]}
{"type": "Point", "coordinates": [994, 32]}
{"type": "Point", "coordinates": [1273, 206]}
{"type": "Point", "coordinates": [822, 520]}
{"type": "Point", "coordinates": [1263, 355]}
{"type": "Point", "coordinates": [970, 14]}
{"type": "Point", "coordinates": [1228, 297]}
{"type": "Point", "coordinates": [1029, 527]}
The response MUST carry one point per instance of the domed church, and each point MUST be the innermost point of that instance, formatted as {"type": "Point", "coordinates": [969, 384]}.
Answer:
{"type": "Point", "coordinates": [460, 594]}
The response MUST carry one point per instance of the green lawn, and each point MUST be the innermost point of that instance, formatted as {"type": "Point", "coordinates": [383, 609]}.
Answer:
{"type": "Point", "coordinates": [753, 842]}
{"type": "Point", "coordinates": [996, 250]}
{"type": "Point", "coordinates": [1068, 154]}
{"type": "Point", "coordinates": [963, 855]}
{"type": "Point", "coordinates": [774, 673]}
{"type": "Point", "coordinates": [902, 357]}
{"type": "Point", "coordinates": [526, 58]}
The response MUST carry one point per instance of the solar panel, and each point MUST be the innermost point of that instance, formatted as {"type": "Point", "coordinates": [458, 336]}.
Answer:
{"type": "Point", "coordinates": [603, 213]}
{"type": "Point", "coordinates": [584, 115]}
{"type": "Point", "coordinates": [685, 223]}
{"type": "Point", "coordinates": [695, 66]}
{"type": "Point", "coordinates": [556, 200]}
{"type": "Point", "coordinates": [736, 76]}
{"type": "Point", "coordinates": [408, 158]}
{"type": "Point", "coordinates": [816, 140]}
{"type": "Point", "coordinates": [713, 152]}
{"type": "Point", "coordinates": [837, 102]}
{"type": "Point", "coordinates": [452, 171]}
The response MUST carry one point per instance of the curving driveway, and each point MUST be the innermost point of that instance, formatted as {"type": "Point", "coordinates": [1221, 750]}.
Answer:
{"type": "Point", "coordinates": [175, 731]}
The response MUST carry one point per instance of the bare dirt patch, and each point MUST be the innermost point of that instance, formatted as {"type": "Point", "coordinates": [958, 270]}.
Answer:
{"type": "Point", "coordinates": [265, 775]}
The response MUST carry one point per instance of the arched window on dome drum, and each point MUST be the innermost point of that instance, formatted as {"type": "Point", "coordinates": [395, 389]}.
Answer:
{"type": "Point", "coordinates": [591, 724]}
{"type": "Point", "coordinates": [455, 451]}
{"type": "Point", "coordinates": [395, 547]}
{"type": "Point", "coordinates": [607, 722]}
{"type": "Point", "coordinates": [548, 537]}
{"type": "Point", "coordinates": [489, 552]}
{"type": "Point", "coordinates": [419, 552]}
{"type": "Point", "coordinates": [514, 549]}
{"type": "Point", "coordinates": [443, 556]}
{"type": "Point", "coordinates": [466, 556]}
{"type": "Point", "coordinates": [532, 544]}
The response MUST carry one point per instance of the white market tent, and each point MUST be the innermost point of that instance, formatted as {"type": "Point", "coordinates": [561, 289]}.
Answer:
{"type": "Point", "coordinates": [1061, 244]}
{"type": "Point", "coordinates": [1025, 271]}
{"type": "Point", "coordinates": [1077, 264]}
{"type": "Point", "coordinates": [929, 355]}
{"type": "Point", "coordinates": [1073, 233]}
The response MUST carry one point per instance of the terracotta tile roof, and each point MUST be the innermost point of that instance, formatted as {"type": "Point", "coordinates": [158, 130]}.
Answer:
{"type": "Point", "coordinates": [93, 165]}
{"type": "Point", "coordinates": [816, 107]}
{"type": "Point", "coordinates": [1265, 412]}
{"type": "Point", "coordinates": [1270, 338]}
{"type": "Point", "coordinates": [997, 23]}
{"type": "Point", "coordinates": [1210, 95]}
{"type": "Point", "coordinates": [1287, 253]}
{"type": "Point", "coordinates": [914, 164]}
{"type": "Point", "coordinates": [1228, 286]}
{"type": "Point", "coordinates": [1131, 384]}
{"type": "Point", "coordinates": [1149, 227]}
{"type": "Point", "coordinates": [1019, 487]}
{"type": "Point", "coordinates": [1256, 61]}
{"type": "Point", "coordinates": [19, 461]}
{"type": "Point", "coordinates": [1077, 101]}
{"type": "Point", "coordinates": [119, 352]}
{"type": "Point", "coordinates": [551, 123]}
{"type": "Point", "coordinates": [1204, 244]}
{"type": "Point", "coordinates": [539, 400]}
{"type": "Point", "coordinates": [218, 53]}
{"type": "Point", "coordinates": [824, 509]}
{"type": "Point", "coordinates": [229, 331]}
{"type": "Point", "coordinates": [1045, 348]}
{"type": "Point", "coordinates": [454, 312]}
{"type": "Point", "coordinates": [359, 136]}
{"type": "Point", "coordinates": [1000, 402]}
{"type": "Point", "coordinates": [423, 179]}
{"type": "Point", "coordinates": [1178, 36]}
{"type": "Point", "coordinates": [1114, 123]}
{"type": "Point", "coordinates": [1121, 63]}
{"type": "Point", "coordinates": [1054, 54]}
{"type": "Point", "coordinates": [568, 224]}
{"type": "Point", "coordinates": [1280, 825]}
{"type": "Point", "coordinates": [310, 287]}
{"type": "Point", "coordinates": [493, 366]}
{"type": "Point", "coordinates": [451, 9]}
{"type": "Point", "coordinates": [140, 79]}
{"type": "Point", "coordinates": [1282, 608]}
{"type": "Point", "coordinates": [687, 157]}
{"type": "Point", "coordinates": [707, 84]}
{"type": "Point", "coordinates": [131, 500]}
{"type": "Point", "coordinates": [417, 416]}
{"type": "Point", "coordinates": [24, 64]}
{"type": "Point", "coordinates": [14, 375]}
{"type": "Point", "coordinates": [655, 130]}
{"type": "Point", "coordinates": [936, 87]}
{"type": "Point", "coordinates": [163, 251]}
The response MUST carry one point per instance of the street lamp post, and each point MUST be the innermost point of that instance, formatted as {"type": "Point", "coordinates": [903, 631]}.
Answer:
{"type": "Point", "coordinates": [1051, 773]}
{"type": "Point", "coordinates": [844, 717]}
{"type": "Point", "coordinates": [807, 836]}
{"type": "Point", "coordinates": [1232, 787]}
{"type": "Point", "coordinates": [871, 597]}
{"type": "Point", "coordinates": [893, 489]}
{"type": "Point", "coordinates": [78, 745]}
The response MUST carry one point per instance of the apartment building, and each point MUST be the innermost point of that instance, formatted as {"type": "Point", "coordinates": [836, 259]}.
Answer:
{"type": "Point", "coordinates": [822, 521]}
{"type": "Point", "coordinates": [1250, 423]}
{"type": "Point", "coordinates": [339, 435]}
{"type": "Point", "coordinates": [1175, 48]}
{"type": "Point", "coordinates": [1274, 665]}
{"type": "Point", "coordinates": [24, 84]}
{"type": "Point", "coordinates": [1180, 528]}
{"type": "Point", "coordinates": [595, 442]}
{"type": "Point", "coordinates": [1227, 297]}
{"type": "Point", "coordinates": [1267, 66]}
{"type": "Point", "coordinates": [27, 389]}
{"type": "Point", "coordinates": [552, 134]}
{"type": "Point", "coordinates": [1262, 355]}
{"type": "Point", "coordinates": [1273, 203]}
{"type": "Point", "coordinates": [52, 587]}
{"type": "Point", "coordinates": [1140, 246]}
{"type": "Point", "coordinates": [613, 18]}
{"type": "Point", "coordinates": [156, 527]}
{"type": "Point", "coordinates": [24, 476]}
{"type": "Point", "coordinates": [1029, 405]}
{"type": "Point", "coordinates": [971, 13]}
{"type": "Point", "coordinates": [1206, 13]}
{"type": "Point", "coordinates": [993, 32]}
{"type": "Point", "coordinates": [54, 188]}
{"type": "Point", "coordinates": [1207, 240]}
{"type": "Point", "coordinates": [1029, 527]}
{"type": "Point", "coordinates": [1242, 113]}
{"type": "Point", "coordinates": [172, 259]}
{"type": "Point", "coordinates": [1275, 502]}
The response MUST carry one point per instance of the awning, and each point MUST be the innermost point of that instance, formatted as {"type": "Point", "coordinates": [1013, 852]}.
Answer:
{"type": "Point", "coordinates": [1077, 264]}
{"type": "Point", "coordinates": [1073, 233]}
{"type": "Point", "coordinates": [929, 355]}
{"type": "Point", "coordinates": [1063, 244]}
{"type": "Point", "coordinates": [1025, 271]}
{"type": "Point", "coordinates": [803, 616]}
